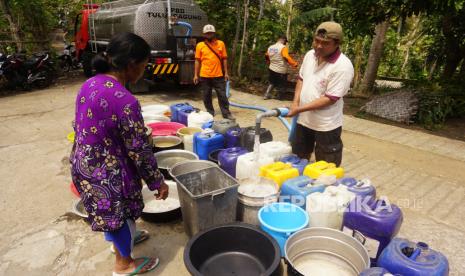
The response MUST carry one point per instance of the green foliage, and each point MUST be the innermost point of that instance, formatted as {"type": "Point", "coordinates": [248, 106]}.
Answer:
{"type": "Point", "coordinates": [314, 16]}
{"type": "Point", "coordinates": [438, 103]}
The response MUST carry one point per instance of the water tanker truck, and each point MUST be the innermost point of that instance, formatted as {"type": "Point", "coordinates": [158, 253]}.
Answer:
{"type": "Point", "coordinates": [171, 27]}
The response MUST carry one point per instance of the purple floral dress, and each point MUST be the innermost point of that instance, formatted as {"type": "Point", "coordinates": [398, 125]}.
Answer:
{"type": "Point", "coordinates": [111, 153]}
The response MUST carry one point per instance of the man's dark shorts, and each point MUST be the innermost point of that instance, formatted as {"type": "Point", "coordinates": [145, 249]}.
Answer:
{"type": "Point", "coordinates": [277, 79]}
{"type": "Point", "coordinates": [327, 144]}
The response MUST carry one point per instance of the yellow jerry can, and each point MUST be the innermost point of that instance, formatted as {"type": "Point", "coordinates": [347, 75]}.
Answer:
{"type": "Point", "coordinates": [316, 169]}
{"type": "Point", "coordinates": [279, 172]}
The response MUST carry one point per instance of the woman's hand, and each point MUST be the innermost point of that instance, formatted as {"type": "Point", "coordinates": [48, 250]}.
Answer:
{"type": "Point", "coordinates": [163, 191]}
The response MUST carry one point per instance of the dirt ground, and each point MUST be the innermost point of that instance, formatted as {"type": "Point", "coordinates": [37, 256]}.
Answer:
{"type": "Point", "coordinates": [40, 237]}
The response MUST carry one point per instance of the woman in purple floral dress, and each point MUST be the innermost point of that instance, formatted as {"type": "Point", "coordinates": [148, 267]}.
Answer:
{"type": "Point", "coordinates": [111, 153]}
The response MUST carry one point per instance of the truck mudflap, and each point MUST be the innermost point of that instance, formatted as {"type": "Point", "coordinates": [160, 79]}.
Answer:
{"type": "Point", "coordinates": [183, 71]}
{"type": "Point", "coordinates": [162, 69]}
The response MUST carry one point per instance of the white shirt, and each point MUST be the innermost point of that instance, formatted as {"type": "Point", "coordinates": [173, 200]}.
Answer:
{"type": "Point", "coordinates": [331, 78]}
{"type": "Point", "coordinates": [277, 62]}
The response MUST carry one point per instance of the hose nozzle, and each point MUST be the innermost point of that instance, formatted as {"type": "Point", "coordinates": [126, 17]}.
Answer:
{"type": "Point", "coordinates": [275, 112]}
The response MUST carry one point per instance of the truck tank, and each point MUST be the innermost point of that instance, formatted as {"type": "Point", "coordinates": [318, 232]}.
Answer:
{"type": "Point", "coordinates": [146, 18]}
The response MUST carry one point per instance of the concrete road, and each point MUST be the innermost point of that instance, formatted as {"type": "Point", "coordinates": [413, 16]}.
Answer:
{"type": "Point", "coordinates": [420, 172]}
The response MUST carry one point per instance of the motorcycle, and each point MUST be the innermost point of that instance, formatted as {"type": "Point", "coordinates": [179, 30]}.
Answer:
{"type": "Point", "coordinates": [37, 71]}
{"type": "Point", "coordinates": [68, 59]}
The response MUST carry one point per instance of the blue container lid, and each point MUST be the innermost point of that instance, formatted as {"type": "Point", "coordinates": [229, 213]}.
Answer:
{"type": "Point", "coordinates": [291, 158]}
{"type": "Point", "coordinates": [180, 105]}
{"type": "Point", "coordinates": [283, 217]}
{"type": "Point", "coordinates": [208, 124]}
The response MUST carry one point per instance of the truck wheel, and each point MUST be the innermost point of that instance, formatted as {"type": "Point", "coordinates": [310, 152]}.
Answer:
{"type": "Point", "coordinates": [87, 64]}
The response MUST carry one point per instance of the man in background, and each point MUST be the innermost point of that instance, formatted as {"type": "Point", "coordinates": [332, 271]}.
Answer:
{"type": "Point", "coordinates": [278, 58]}
{"type": "Point", "coordinates": [211, 70]}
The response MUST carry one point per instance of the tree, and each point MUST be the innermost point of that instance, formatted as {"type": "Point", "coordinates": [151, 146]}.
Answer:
{"type": "Point", "coordinates": [236, 34]}
{"type": "Point", "coordinates": [13, 27]}
{"type": "Point", "coordinates": [376, 52]}
{"type": "Point", "coordinates": [411, 38]}
{"type": "Point", "coordinates": [244, 37]}
{"type": "Point", "coordinates": [289, 19]}
{"type": "Point", "coordinates": [260, 15]}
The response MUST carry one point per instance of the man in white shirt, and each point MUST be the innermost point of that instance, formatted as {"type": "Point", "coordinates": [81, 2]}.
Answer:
{"type": "Point", "coordinates": [325, 77]}
{"type": "Point", "coordinates": [278, 58]}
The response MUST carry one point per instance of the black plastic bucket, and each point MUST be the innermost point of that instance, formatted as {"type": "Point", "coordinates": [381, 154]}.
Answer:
{"type": "Point", "coordinates": [232, 249]}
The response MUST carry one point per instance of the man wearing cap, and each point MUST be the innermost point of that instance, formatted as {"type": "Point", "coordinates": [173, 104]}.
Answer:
{"type": "Point", "coordinates": [211, 70]}
{"type": "Point", "coordinates": [278, 57]}
{"type": "Point", "coordinates": [324, 78]}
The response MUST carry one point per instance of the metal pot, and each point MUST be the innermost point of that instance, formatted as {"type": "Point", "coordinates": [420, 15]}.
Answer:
{"type": "Point", "coordinates": [162, 143]}
{"type": "Point", "coordinates": [169, 158]}
{"type": "Point", "coordinates": [311, 249]}
{"type": "Point", "coordinates": [248, 205]}
{"type": "Point", "coordinates": [170, 209]}
{"type": "Point", "coordinates": [78, 209]}
{"type": "Point", "coordinates": [213, 156]}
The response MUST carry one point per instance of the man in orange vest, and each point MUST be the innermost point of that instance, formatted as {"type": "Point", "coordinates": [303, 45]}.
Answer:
{"type": "Point", "coordinates": [211, 70]}
{"type": "Point", "coordinates": [278, 57]}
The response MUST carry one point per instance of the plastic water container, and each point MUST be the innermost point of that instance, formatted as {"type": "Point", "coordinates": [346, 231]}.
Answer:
{"type": "Point", "coordinates": [248, 137]}
{"type": "Point", "coordinates": [278, 172]}
{"type": "Point", "coordinates": [316, 169]}
{"type": "Point", "coordinates": [275, 149]}
{"type": "Point", "coordinates": [183, 115]}
{"type": "Point", "coordinates": [296, 162]}
{"type": "Point", "coordinates": [233, 137]}
{"type": "Point", "coordinates": [176, 108]}
{"type": "Point", "coordinates": [377, 220]}
{"type": "Point", "coordinates": [207, 141]}
{"type": "Point", "coordinates": [247, 167]}
{"type": "Point", "coordinates": [222, 126]}
{"type": "Point", "coordinates": [187, 136]}
{"type": "Point", "coordinates": [282, 219]}
{"type": "Point", "coordinates": [227, 159]}
{"type": "Point", "coordinates": [326, 209]}
{"type": "Point", "coordinates": [360, 188]}
{"type": "Point", "coordinates": [296, 190]}
{"type": "Point", "coordinates": [375, 271]}
{"type": "Point", "coordinates": [208, 124]}
{"type": "Point", "coordinates": [404, 257]}
{"type": "Point", "coordinates": [198, 118]}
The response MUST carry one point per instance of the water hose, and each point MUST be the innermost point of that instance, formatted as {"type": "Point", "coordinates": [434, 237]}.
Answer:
{"type": "Point", "coordinates": [189, 29]}
{"type": "Point", "coordinates": [258, 108]}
